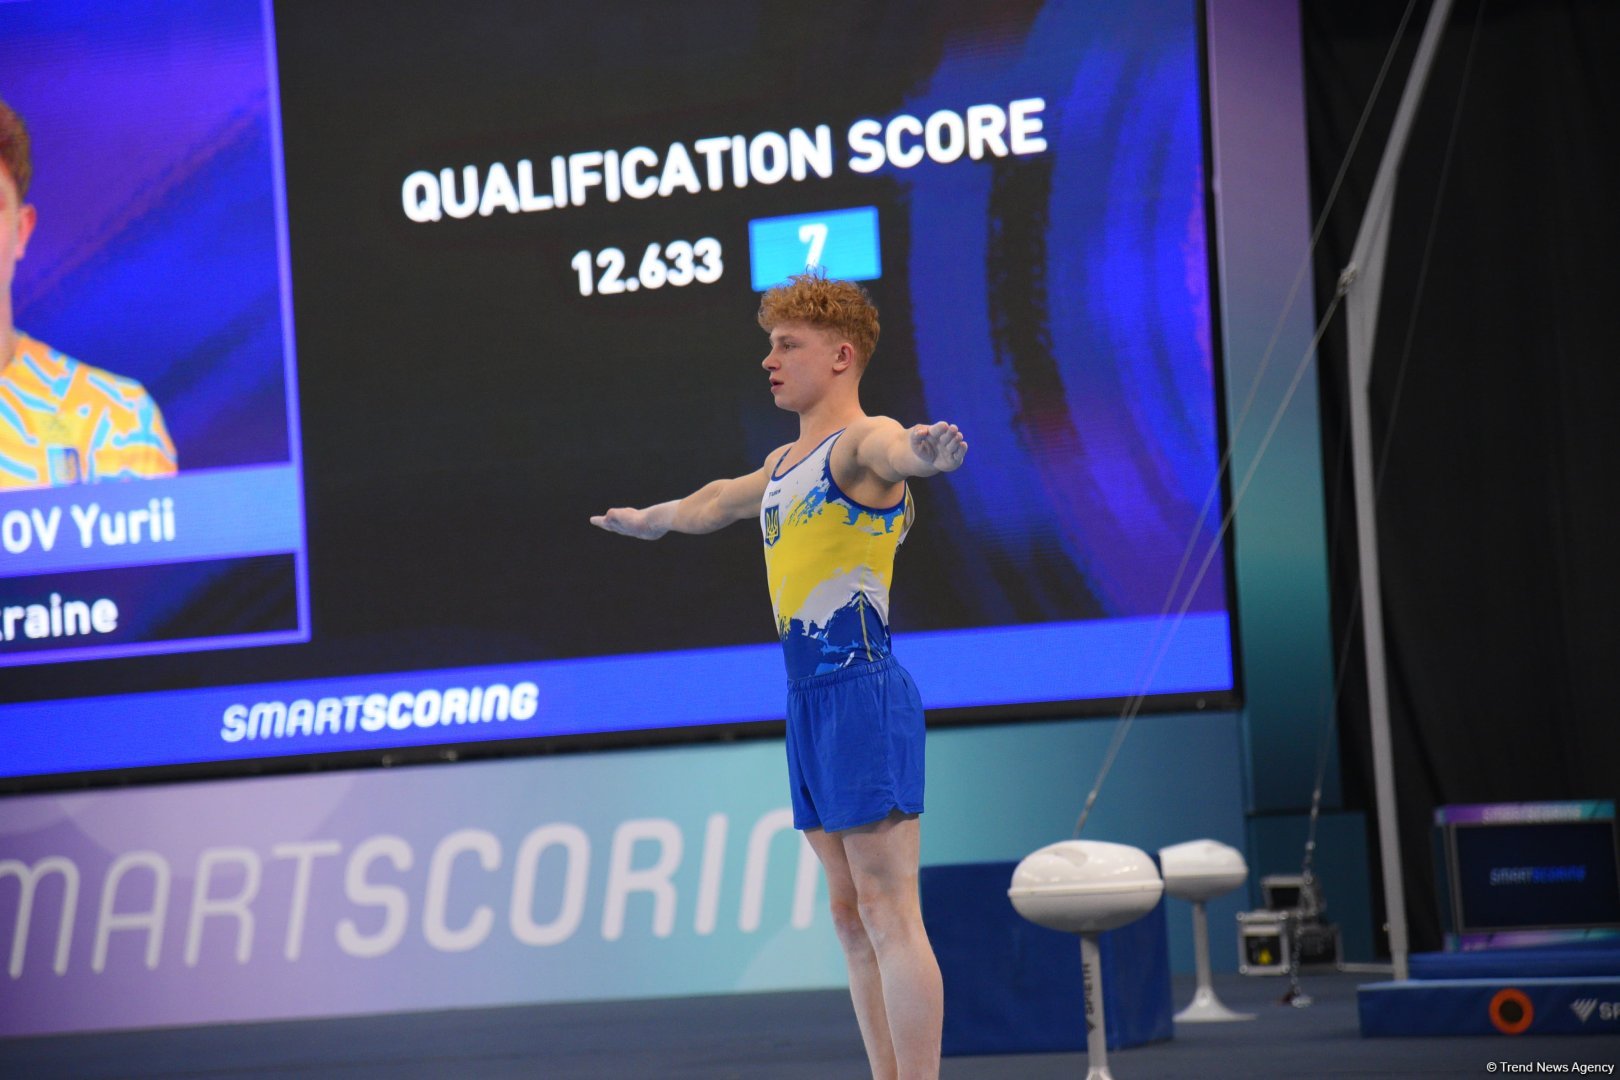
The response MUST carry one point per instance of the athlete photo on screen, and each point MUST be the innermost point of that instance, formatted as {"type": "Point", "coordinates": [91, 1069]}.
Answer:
{"type": "Point", "coordinates": [833, 508]}
{"type": "Point", "coordinates": [61, 421]}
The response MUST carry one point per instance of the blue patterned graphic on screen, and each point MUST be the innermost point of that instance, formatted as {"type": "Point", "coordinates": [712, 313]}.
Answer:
{"type": "Point", "coordinates": [1083, 277]}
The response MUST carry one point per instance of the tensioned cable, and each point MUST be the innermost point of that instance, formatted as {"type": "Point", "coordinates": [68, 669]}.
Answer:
{"type": "Point", "coordinates": [1381, 462]}
{"type": "Point", "coordinates": [1288, 306]}
{"type": "Point", "coordinates": [1133, 704]}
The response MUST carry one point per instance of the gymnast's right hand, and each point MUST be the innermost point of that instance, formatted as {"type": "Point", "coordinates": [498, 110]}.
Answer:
{"type": "Point", "coordinates": [646, 524]}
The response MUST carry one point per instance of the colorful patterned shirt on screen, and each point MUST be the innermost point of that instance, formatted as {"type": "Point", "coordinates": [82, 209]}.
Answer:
{"type": "Point", "coordinates": [829, 561]}
{"type": "Point", "coordinates": [63, 422]}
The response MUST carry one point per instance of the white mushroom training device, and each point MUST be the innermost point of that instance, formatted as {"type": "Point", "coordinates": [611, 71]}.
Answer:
{"type": "Point", "coordinates": [1198, 871]}
{"type": "Point", "coordinates": [1085, 887]}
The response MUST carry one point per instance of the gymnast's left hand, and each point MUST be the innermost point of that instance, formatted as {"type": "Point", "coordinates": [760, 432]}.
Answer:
{"type": "Point", "coordinates": [939, 445]}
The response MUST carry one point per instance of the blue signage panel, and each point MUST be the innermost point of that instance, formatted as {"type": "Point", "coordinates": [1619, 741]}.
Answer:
{"type": "Point", "coordinates": [956, 668]}
{"type": "Point", "coordinates": [842, 242]}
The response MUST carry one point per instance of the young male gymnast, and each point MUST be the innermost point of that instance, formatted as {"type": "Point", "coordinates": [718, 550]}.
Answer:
{"type": "Point", "coordinates": [833, 508]}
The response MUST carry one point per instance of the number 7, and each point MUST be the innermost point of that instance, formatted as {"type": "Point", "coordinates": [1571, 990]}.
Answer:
{"type": "Point", "coordinates": [814, 234]}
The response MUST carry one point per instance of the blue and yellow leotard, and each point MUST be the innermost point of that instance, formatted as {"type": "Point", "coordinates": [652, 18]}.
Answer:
{"type": "Point", "coordinates": [829, 561]}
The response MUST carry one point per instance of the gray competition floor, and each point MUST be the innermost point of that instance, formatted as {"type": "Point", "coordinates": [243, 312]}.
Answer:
{"type": "Point", "coordinates": [797, 1036]}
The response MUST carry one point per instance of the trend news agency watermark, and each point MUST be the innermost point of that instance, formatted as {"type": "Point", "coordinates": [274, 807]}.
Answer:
{"type": "Point", "coordinates": [1573, 1068]}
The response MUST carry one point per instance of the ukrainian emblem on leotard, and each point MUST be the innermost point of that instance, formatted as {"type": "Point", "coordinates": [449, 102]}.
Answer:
{"type": "Point", "coordinates": [773, 525]}
{"type": "Point", "coordinates": [63, 462]}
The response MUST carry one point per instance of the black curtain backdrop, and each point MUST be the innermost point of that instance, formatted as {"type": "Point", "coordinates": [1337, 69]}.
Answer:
{"type": "Point", "coordinates": [1496, 388]}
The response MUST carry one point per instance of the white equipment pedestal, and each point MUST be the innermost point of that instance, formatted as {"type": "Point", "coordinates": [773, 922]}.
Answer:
{"type": "Point", "coordinates": [1198, 871]}
{"type": "Point", "coordinates": [1085, 887]}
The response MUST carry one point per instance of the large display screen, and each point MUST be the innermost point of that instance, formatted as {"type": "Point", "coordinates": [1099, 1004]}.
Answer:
{"type": "Point", "coordinates": [527, 245]}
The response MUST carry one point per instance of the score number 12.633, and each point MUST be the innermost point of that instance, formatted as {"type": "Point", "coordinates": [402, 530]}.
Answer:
{"type": "Point", "coordinates": [676, 263]}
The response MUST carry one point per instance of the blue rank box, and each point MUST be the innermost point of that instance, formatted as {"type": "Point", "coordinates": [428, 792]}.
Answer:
{"type": "Point", "coordinates": [843, 242]}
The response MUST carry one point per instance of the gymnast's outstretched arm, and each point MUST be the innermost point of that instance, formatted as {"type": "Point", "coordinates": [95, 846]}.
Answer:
{"type": "Point", "coordinates": [711, 507]}
{"type": "Point", "coordinates": [896, 453]}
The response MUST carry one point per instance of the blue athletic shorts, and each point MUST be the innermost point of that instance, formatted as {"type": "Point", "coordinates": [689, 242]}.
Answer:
{"type": "Point", "coordinates": [854, 746]}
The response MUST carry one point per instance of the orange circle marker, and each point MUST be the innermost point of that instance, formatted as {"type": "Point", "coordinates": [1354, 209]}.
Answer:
{"type": "Point", "coordinates": [1511, 1011]}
